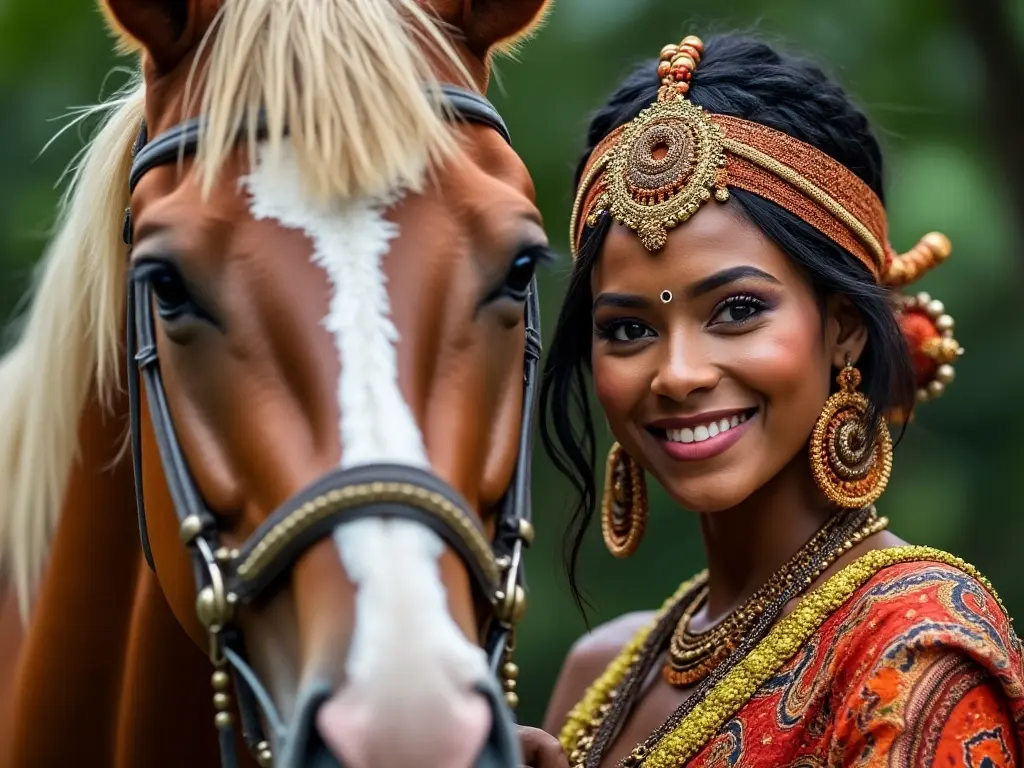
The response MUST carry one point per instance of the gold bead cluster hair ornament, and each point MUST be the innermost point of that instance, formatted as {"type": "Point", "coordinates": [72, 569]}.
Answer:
{"type": "Point", "coordinates": [656, 172]}
{"type": "Point", "coordinates": [929, 332]}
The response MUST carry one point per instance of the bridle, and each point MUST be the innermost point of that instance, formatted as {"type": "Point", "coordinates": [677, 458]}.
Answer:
{"type": "Point", "coordinates": [227, 577]}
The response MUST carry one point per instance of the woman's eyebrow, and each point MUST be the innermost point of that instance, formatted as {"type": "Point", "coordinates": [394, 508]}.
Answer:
{"type": "Point", "coordinates": [621, 301]}
{"type": "Point", "coordinates": [726, 276]}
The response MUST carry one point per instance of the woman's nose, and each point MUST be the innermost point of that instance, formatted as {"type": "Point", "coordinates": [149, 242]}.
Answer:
{"type": "Point", "coordinates": [683, 370]}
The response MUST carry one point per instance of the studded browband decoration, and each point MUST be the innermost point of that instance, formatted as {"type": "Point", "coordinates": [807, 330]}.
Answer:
{"type": "Point", "coordinates": [654, 173]}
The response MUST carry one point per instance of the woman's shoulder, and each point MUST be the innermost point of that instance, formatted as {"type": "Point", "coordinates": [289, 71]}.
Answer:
{"type": "Point", "coordinates": [921, 646]}
{"type": "Point", "coordinates": [588, 658]}
{"type": "Point", "coordinates": [904, 609]}
{"type": "Point", "coordinates": [607, 639]}
{"type": "Point", "coordinates": [925, 592]}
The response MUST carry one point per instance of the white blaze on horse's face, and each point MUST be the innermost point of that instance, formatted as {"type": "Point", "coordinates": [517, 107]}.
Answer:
{"type": "Point", "coordinates": [409, 663]}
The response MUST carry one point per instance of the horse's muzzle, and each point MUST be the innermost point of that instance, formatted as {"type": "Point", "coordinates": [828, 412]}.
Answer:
{"type": "Point", "coordinates": [304, 747]}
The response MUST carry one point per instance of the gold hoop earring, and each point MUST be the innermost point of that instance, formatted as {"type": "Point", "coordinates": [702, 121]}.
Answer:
{"type": "Point", "coordinates": [850, 467]}
{"type": "Point", "coordinates": [624, 504]}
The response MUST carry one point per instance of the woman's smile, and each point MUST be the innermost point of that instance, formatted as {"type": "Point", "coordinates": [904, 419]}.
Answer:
{"type": "Point", "coordinates": [704, 436]}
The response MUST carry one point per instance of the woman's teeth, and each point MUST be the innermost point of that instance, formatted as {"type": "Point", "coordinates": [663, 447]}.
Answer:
{"type": "Point", "coordinates": [705, 431]}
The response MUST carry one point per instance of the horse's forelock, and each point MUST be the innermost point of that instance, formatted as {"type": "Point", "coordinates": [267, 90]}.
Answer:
{"type": "Point", "coordinates": [348, 78]}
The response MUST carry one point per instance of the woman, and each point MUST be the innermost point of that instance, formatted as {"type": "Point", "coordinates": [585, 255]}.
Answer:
{"type": "Point", "coordinates": [735, 299]}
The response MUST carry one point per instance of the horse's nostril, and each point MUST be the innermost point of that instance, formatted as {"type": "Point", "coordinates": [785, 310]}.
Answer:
{"type": "Point", "coordinates": [318, 755]}
{"type": "Point", "coordinates": [444, 731]}
{"type": "Point", "coordinates": [303, 746]}
{"type": "Point", "coordinates": [315, 754]}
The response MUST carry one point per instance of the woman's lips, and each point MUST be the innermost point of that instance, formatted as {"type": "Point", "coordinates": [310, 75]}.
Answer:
{"type": "Point", "coordinates": [707, 437]}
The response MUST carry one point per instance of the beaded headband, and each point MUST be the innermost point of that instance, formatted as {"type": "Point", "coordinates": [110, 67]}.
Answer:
{"type": "Point", "coordinates": [657, 171]}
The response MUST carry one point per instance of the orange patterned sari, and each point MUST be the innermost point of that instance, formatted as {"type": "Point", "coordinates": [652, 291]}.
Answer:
{"type": "Point", "coordinates": [904, 658]}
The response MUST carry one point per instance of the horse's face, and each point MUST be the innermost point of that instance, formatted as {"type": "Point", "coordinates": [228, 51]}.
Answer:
{"type": "Point", "coordinates": [296, 336]}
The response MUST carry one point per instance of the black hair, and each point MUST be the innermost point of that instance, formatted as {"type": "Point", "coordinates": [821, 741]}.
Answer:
{"type": "Point", "coordinates": [744, 77]}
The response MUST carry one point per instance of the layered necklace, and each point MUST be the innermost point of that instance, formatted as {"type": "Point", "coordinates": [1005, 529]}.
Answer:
{"type": "Point", "coordinates": [692, 656]}
{"type": "Point", "coordinates": [698, 657]}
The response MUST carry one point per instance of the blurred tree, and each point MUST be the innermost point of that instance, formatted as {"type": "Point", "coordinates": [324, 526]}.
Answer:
{"type": "Point", "coordinates": [990, 26]}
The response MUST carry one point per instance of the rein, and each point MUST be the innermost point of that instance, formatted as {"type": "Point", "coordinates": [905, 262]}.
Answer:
{"type": "Point", "coordinates": [226, 577]}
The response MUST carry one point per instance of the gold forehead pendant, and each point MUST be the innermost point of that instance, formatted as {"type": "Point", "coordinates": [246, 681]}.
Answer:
{"type": "Point", "coordinates": [670, 160]}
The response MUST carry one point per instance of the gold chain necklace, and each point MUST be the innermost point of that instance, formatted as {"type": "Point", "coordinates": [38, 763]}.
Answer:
{"type": "Point", "coordinates": [692, 657]}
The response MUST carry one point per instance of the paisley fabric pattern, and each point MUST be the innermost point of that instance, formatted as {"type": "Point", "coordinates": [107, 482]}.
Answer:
{"type": "Point", "coordinates": [919, 668]}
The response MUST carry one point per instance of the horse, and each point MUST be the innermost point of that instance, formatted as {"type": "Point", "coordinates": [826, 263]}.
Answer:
{"type": "Point", "coordinates": [286, 336]}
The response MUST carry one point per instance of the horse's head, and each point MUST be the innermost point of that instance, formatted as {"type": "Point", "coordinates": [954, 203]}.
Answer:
{"type": "Point", "coordinates": [332, 257]}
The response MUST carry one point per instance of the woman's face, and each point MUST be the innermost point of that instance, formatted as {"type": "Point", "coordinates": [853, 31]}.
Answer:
{"type": "Point", "coordinates": [710, 357]}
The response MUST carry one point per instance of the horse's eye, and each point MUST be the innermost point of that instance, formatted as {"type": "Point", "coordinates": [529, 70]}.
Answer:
{"type": "Point", "coordinates": [172, 296]}
{"type": "Point", "coordinates": [519, 277]}
{"type": "Point", "coordinates": [174, 300]}
{"type": "Point", "coordinates": [520, 274]}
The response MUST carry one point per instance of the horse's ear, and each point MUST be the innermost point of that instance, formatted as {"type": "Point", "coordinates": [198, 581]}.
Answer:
{"type": "Point", "coordinates": [491, 24]}
{"type": "Point", "coordinates": [163, 28]}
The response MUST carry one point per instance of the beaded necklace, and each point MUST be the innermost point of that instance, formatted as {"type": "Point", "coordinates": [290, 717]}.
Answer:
{"type": "Point", "coordinates": [691, 657]}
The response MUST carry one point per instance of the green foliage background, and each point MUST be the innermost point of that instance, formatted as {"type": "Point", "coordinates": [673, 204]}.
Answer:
{"type": "Point", "coordinates": [908, 63]}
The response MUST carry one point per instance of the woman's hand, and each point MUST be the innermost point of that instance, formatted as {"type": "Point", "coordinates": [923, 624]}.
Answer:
{"type": "Point", "coordinates": [541, 749]}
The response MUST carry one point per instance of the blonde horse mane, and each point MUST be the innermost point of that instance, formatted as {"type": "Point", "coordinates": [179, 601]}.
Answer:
{"type": "Point", "coordinates": [347, 79]}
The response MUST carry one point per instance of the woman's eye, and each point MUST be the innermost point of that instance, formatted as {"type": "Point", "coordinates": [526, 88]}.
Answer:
{"type": "Point", "coordinates": [625, 331]}
{"type": "Point", "coordinates": [738, 310]}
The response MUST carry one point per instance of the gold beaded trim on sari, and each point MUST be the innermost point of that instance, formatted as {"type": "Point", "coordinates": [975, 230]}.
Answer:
{"type": "Point", "coordinates": [602, 690]}
{"type": "Point", "coordinates": [743, 681]}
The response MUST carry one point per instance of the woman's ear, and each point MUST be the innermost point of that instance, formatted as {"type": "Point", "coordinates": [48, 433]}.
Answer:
{"type": "Point", "coordinates": [163, 28]}
{"type": "Point", "coordinates": [845, 332]}
{"type": "Point", "coordinates": [487, 24]}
